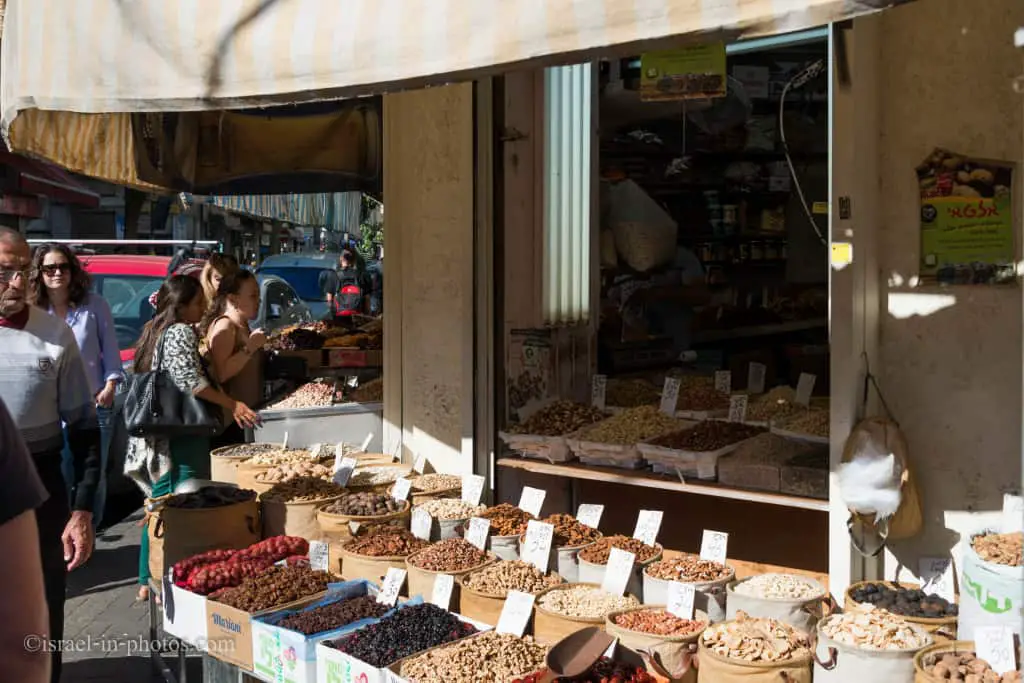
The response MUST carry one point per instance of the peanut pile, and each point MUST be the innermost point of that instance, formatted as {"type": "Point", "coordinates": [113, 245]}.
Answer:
{"type": "Point", "coordinates": [778, 587]}
{"type": "Point", "coordinates": [498, 579]}
{"type": "Point", "coordinates": [436, 482]}
{"type": "Point", "coordinates": [812, 423]}
{"type": "Point", "coordinates": [301, 490]}
{"type": "Point", "coordinates": [249, 450]}
{"type": "Point", "coordinates": [999, 548]}
{"type": "Point", "coordinates": [291, 471]}
{"type": "Point", "coordinates": [631, 426]}
{"type": "Point", "coordinates": [449, 509]}
{"type": "Point", "coordinates": [658, 622]}
{"type": "Point", "coordinates": [778, 404]}
{"type": "Point", "coordinates": [966, 667]}
{"type": "Point", "coordinates": [585, 602]}
{"type": "Point", "coordinates": [316, 394]}
{"type": "Point", "coordinates": [487, 658]}
{"type": "Point", "coordinates": [384, 541]}
{"type": "Point", "coordinates": [708, 436]}
{"type": "Point", "coordinates": [688, 569]}
{"type": "Point", "coordinates": [599, 551]}
{"type": "Point", "coordinates": [561, 417]}
{"type": "Point", "coordinates": [754, 639]}
{"type": "Point", "coordinates": [449, 555]}
{"type": "Point", "coordinates": [276, 455]}
{"type": "Point", "coordinates": [506, 519]}
{"type": "Point", "coordinates": [874, 629]}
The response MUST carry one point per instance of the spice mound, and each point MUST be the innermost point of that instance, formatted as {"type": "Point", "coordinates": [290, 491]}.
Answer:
{"type": "Point", "coordinates": [585, 602]}
{"type": "Point", "coordinates": [436, 482]}
{"type": "Point", "coordinates": [449, 555]}
{"type": "Point", "coordinates": [570, 532]}
{"type": "Point", "coordinates": [506, 519]}
{"type": "Point", "coordinates": [489, 657]}
{"type": "Point", "coordinates": [658, 622]}
{"type": "Point", "coordinates": [406, 632]}
{"type": "Point", "coordinates": [907, 602]}
{"type": "Point", "coordinates": [754, 639]}
{"type": "Point", "coordinates": [599, 551]}
{"type": "Point", "coordinates": [376, 476]}
{"type": "Point", "coordinates": [874, 629]}
{"type": "Point", "coordinates": [292, 471]}
{"type": "Point", "coordinates": [811, 423]}
{"type": "Point", "coordinates": [365, 504]}
{"type": "Point", "coordinates": [779, 587]}
{"type": "Point", "coordinates": [561, 417]}
{"type": "Point", "coordinates": [450, 508]}
{"type": "Point", "coordinates": [961, 666]}
{"type": "Point", "coordinates": [334, 615]}
{"type": "Point", "coordinates": [385, 541]}
{"type": "Point", "coordinates": [708, 436]}
{"type": "Point", "coordinates": [302, 490]}
{"type": "Point", "coordinates": [273, 587]}
{"type": "Point", "coordinates": [632, 426]}
{"type": "Point", "coordinates": [688, 569]}
{"type": "Point", "coordinates": [999, 548]}
{"type": "Point", "coordinates": [514, 575]}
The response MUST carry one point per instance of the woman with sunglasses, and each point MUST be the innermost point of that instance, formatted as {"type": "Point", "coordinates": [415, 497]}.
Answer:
{"type": "Point", "coordinates": [60, 285]}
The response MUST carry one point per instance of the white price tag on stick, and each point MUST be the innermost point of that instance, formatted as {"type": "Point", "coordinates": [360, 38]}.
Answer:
{"type": "Point", "coordinates": [670, 396]}
{"type": "Point", "coordinates": [617, 571]}
{"type": "Point", "coordinates": [532, 500]}
{"type": "Point", "coordinates": [536, 548]}
{"type": "Point", "coordinates": [472, 488]}
{"type": "Point", "coordinates": [319, 557]}
{"type": "Point", "coordinates": [393, 581]}
{"type": "Point", "coordinates": [598, 391]}
{"type": "Point", "coordinates": [400, 491]}
{"type": "Point", "coordinates": [723, 381]}
{"type": "Point", "coordinates": [738, 408]}
{"type": "Point", "coordinates": [477, 532]}
{"type": "Point", "coordinates": [420, 523]}
{"type": "Point", "coordinates": [994, 644]}
{"type": "Point", "coordinates": [419, 465]}
{"type": "Point", "coordinates": [442, 594]}
{"type": "Point", "coordinates": [680, 599]}
{"type": "Point", "coordinates": [937, 576]}
{"type": "Point", "coordinates": [756, 373]}
{"type": "Point", "coordinates": [343, 470]}
{"type": "Point", "coordinates": [804, 389]}
{"type": "Point", "coordinates": [515, 613]}
{"type": "Point", "coordinates": [714, 545]}
{"type": "Point", "coordinates": [1013, 513]}
{"type": "Point", "coordinates": [648, 523]}
{"type": "Point", "coordinates": [590, 514]}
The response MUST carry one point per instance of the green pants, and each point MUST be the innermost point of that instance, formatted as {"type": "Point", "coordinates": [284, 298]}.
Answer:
{"type": "Point", "coordinates": [190, 458]}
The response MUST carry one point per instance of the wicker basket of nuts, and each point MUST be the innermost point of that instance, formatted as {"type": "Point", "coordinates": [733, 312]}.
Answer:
{"type": "Point", "coordinates": [483, 591]}
{"type": "Point", "coordinates": [224, 461]}
{"type": "Point", "coordinates": [570, 607]}
{"type": "Point", "coordinates": [289, 508]}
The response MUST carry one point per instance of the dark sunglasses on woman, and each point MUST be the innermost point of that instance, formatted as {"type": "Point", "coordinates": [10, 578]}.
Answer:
{"type": "Point", "coordinates": [53, 268]}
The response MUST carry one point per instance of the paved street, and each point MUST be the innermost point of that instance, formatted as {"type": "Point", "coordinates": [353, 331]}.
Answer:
{"type": "Point", "coordinates": [108, 629]}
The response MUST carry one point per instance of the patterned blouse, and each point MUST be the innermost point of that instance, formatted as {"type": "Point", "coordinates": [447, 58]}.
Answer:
{"type": "Point", "coordinates": [148, 459]}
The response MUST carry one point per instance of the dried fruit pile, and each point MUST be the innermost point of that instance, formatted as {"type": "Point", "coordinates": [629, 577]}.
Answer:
{"type": "Point", "coordinates": [385, 541]}
{"type": "Point", "coordinates": [874, 629]}
{"type": "Point", "coordinates": [965, 666]}
{"type": "Point", "coordinates": [365, 504]}
{"type": "Point", "coordinates": [699, 395]}
{"type": "Point", "coordinates": [907, 602]}
{"type": "Point", "coordinates": [657, 622]}
{"type": "Point", "coordinates": [688, 569]}
{"type": "Point", "coordinates": [811, 423]}
{"type": "Point", "coordinates": [449, 555]}
{"type": "Point", "coordinates": [315, 394]}
{"type": "Point", "coordinates": [561, 417]}
{"type": "Point", "coordinates": [406, 632]}
{"type": "Point", "coordinates": [498, 579]}
{"type": "Point", "coordinates": [488, 658]}
{"type": "Point", "coordinates": [570, 532]}
{"type": "Point", "coordinates": [216, 569]}
{"type": "Point", "coordinates": [999, 548]}
{"type": "Point", "coordinates": [711, 435]}
{"type": "Point", "coordinates": [506, 519]}
{"type": "Point", "coordinates": [274, 587]}
{"type": "Point", "coordinates": [302, 489]}
{"type": "Point", "coordinates": [334, 615]}
{"type": "Point", "coordinates": [630, 393]}
{"type": "Point", "coordinates": [754, 639]}
{"type": "Point", "coordinates": [599, 551]}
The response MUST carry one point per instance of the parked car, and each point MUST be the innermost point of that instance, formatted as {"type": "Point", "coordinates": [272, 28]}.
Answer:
{"type": "Point", "coordinates": [302, 271]}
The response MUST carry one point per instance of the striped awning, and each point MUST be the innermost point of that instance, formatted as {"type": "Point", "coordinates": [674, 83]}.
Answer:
{"type": "Point", "coordinates": [73, 70]}
{"type": "Point", "coordinates": [300, 209]}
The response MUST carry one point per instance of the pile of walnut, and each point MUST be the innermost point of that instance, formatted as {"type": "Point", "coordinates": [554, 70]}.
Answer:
{"type": "Point", "coordinates": [966, 667]}
{"type": "Point", "coordinates": [1000, 548]}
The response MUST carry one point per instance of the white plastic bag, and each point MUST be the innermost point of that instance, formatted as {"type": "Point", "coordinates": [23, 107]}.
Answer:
{"type": "Point", "coordinates": [990, 594]}
{"type": "Point", "coordinates": [645, 236]}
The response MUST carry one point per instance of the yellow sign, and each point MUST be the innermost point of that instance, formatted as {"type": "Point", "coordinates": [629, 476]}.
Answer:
{"type": "Point", "coordinates": [842, 254]}
{"type": "Point", "coordinates": [692, 73]}
{"type": "Point", "coordinates": [820, 208]}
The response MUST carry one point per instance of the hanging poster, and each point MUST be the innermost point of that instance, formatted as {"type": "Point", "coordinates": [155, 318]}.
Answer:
{"type": "Point", "coordinates": [530, 372]}
{"type": "Point", "coordinates": [691, 73]}
{"type": "Point", "coordinates": [967, 235]}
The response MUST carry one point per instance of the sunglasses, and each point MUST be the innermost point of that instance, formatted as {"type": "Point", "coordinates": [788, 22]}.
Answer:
{"type": "Point", "coordinates": [54, 268]}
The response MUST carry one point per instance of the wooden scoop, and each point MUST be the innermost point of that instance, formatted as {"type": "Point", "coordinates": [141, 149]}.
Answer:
{"type": "Point", "coordinates": [573, 655]}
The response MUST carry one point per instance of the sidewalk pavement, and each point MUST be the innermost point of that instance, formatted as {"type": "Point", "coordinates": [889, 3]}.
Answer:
{"type": "Point", "coordinates": [107, 631]}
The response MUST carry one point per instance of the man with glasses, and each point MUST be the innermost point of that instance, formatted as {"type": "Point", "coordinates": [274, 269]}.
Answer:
{"type": "Point", "coordinates": [44, 383]}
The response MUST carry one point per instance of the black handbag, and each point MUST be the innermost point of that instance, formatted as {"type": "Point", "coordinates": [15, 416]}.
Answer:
{"type": "Point", "coordinates": [155, 406]}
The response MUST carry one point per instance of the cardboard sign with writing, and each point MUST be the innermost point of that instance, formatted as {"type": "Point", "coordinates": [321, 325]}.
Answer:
{"type": "Point", "coordinates": [477, 532]}
{"type": "Point", "coordinates": [756, 373]}
{"type": "Point", "coordinates": [738, 408]}
{"type": "Point", "coordinates": [680, 599]}
{"type": "Point", "coordinates": [598, 390]}
{"type": "Point", "coordinates": [723, 381]}
{"type": "Point", "coordinates": [420, 523]}
{"type": "Point", "coordinates": [804, 389]}
{"type": "Point", "coordinates": [472, 488]}
{"type": "Point", "coordinates": [442, 595]}
{"type": "Point", "coordinates": [714, 545]}
{"type": "Point", "coordinates": [617, 571]}
{"type": "Point", "coordinates": [393, 581]}
{"type": "Point", "coordinates": [994, 644]}
{"type": "Point", "coordinates": [400, 491]}
{"type": "Point", "coordinates": [1013, 513]}
{"type": "Point", "coordinates": [318, 556]}
{"type": "Point", "coordinates": [343, 470]}
{"type": "Point", "coordinates": [670, 396]}
{"type": "Point", "coordinates": [648, 523]}
{"type": "Point", "coordinates": [937, 576]}
{"type": "Point", "coordinates": [515, 613]}
{"type": "Point", "coordinates": [536, 548]}
{"type": "Point", "coordinates": [590, 514]}
{"type": "Point", "coordinates": [532, 500]}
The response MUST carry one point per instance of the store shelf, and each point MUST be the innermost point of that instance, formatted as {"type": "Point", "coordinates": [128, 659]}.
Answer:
{"type": "Point", "coordinates": [705, 336]}
{"type": "Point", "coordinates": [653, 481]}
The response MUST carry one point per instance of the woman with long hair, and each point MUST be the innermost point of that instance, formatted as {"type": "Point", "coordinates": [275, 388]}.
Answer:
{"type": "Point", "coordinates": [169, 341]}
{"type": "Point", "coordinates": [60, 285]}
{"type": "Point", "coordinates": [233, 349]}
{"type": "Point", "coordinates": [218, 267]}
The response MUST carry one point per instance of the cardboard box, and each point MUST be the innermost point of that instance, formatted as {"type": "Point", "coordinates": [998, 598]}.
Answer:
{"type": "Point", "coordinates": [184, 614]}
{"type": "Point", "coordinates": [290, 657]}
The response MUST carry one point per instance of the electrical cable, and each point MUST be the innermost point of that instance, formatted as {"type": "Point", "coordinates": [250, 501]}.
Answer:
{"type": "Point", "coordinates": [807, 74]}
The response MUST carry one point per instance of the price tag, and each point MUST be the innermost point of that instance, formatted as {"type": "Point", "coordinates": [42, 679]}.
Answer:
{"type": "Point", "coordinates": [723, 381]}
{"type": "Point", "coordinates": [707, 468]}
{"type": "Point", "coordinates": [419, 465]}
{"type": "Point", "coordinates": [755, 378]}
{"type": "Point", "coordinates": [738, 408]}
{"type": "Point", "coordinates": [598, 390]}
{"type": "Point", "coordinates": [400, 491]}
{"type": "Point", "coordinates": [391, 677]}
{"type": "Point", "coordinates": [804, 389]}
{"type": "Point", "coordinates": [420, 523]}
{"type": "Point", "coordinates": [937, 576]}
{"type": "Point", "coordinates": [284, 440]}
{"type": "Point", "coordinates": [478, 530]}
{"type": "Point", "coordinates": [680, 599]}
{"type": "Point", "coordinates": [670, 396]}
{"type": "Point", "coordinates": [590, 514]}
{"type": "Point", "coordinates": [1013, 512]}
{"type": "Point", "coordinates": [648, 522]}
{"type": "Point", "coordinates": [536, 548]}
{"type": "Point", "coordinates": [994, 644]}
{"type": "Point", "coordinates": [515, 613]}
{"type": "Point", "coordinates": [366, 443]}
{"type": "Point", "coordinates": [393, 581]}
{"type": "Point", "coordinates": [319, 558]}
{"type": "Point", "coordinates": [442, 594]}
{"type": "Point", "coordinates": [341, 449]}
{"type": "Point", "coordinates": [343, 470]}
{"type": "Point", "coordinates": [713, 545]}
{"type": "Point", "coordinates": [472, 488]}
{"type": "Point", "coordinates": [532, 500]}
{"type": "Point", "coordinates": [617, 571]}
